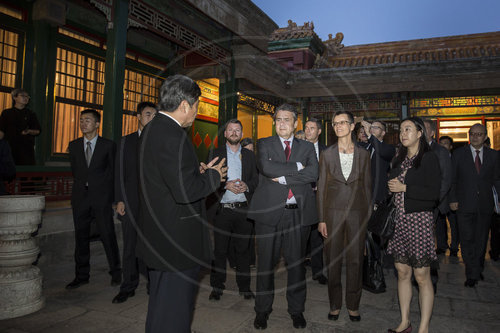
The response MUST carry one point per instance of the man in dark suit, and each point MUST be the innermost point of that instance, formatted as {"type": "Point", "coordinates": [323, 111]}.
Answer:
{"type": "Point", "coordinates": [127, 200]}
{"type": "Point", "coordinates": [231, 220]}
{"type": "Point", "coordinates": [313, 130]}
{"type": "Point", "coordinates": [284, 208]}
{"type": "Point", "coordinates": [445, 166]}
{"type": "Point", "coordinates": [173, 233]}
{"type": "Point", "coordinates": [476, 169]}
{"type": "Point", "coordinates": [441, 226]}
{"type": "Point", "coordinates": [381, 155]}
{"type": "Point", "coordinates": [92, 162]}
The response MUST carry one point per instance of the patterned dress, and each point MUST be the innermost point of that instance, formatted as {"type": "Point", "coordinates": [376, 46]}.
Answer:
{"type": "Point", "coordinates": [413, 240]}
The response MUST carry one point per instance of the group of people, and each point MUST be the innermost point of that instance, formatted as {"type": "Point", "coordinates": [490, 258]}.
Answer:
{"type": "Point", "coordinates": [292, 194]}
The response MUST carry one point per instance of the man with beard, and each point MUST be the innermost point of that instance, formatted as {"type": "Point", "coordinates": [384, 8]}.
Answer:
{"type": "Point", "coordinates": [231, 220]}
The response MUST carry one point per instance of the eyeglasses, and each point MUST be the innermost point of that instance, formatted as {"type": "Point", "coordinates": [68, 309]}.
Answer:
{"type": "Point", "coordinates": [341, 123]}
{"type": "Point", "coordinates": [476, 134]}
{"type": "Point", "coordinates": [376, 127]}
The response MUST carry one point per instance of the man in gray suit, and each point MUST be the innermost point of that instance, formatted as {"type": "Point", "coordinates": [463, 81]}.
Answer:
{"type": "Point", "coordinates": [284, 208]}
{"type": "Point", "coordinates": [476, 169]}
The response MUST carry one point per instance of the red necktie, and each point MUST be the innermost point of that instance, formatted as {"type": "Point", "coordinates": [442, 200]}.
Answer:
{"type": "Point", "coordinates": [477, 161]}
{"type": "Point", "coordinates": [288, 151]}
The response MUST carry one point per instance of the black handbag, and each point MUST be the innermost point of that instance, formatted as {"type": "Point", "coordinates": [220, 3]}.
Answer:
{"type": "Point", "coordinates": [373, 275]}
{"type": "Point", "coordinates": [382, 221]}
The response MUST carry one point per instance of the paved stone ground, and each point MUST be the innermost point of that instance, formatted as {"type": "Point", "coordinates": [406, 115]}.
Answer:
{"type": "Point", "coordinates": [89, 308]}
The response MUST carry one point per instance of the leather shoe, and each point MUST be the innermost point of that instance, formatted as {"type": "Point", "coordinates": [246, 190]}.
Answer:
{"type": "Point", "coordinates": [116, 280]}
{"type": "Point", "coordinates": [260, 321]}
{"type": "Point", "coordinates": [320, 278]}
{"type": "Point", "coordinates": [76, 283]}
{"type": "Point", "coordinates": [332, 316]}
{"type": "Point", "coordinates": [298, 320]}
{"type": "Point", "coordinates": [247, 294]}
{"type": "Point", "coordinates": [471, 283]}
{"type": "Point", "coordinates": [215, 295]}
{"type": "Point", "coordinates": [123, 296]}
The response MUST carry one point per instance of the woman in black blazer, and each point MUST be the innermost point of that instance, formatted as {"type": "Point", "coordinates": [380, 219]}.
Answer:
{"type": "Point", "coordinates": [415, 181]}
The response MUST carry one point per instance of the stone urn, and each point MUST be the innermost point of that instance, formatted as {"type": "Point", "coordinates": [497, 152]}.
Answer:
{"type": "Point", "coordinates": [20, 281]}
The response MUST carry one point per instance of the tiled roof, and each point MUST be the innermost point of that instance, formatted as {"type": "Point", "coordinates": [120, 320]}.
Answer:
{"type": "Point", "coordinates": [428, 50]}
{"type": "Point", "coordinates": [292, 31]}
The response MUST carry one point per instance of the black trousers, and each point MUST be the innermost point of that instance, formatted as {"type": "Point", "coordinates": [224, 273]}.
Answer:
{"type": "Point", "coordinates": [316, 241]}
{"type": "Point", "coordinates": [171, 301]}
{"type": "Point", "coordinates": [495, 236]}
{"type": "Point", "coordinates": [231, 228]}
{"type": "Point", "coordinates": [130, 261]}
{"type": "Point", "coordinates": [289, 237]}
{"type": "Point", "coordinates": [83, 214]}
{"type": "Point", "coordinates": [442, 231]}
{"type": "Point", "coordinates": [473, 229]}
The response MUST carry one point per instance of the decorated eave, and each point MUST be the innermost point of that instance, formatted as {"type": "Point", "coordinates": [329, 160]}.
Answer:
{"type": "Point", "coordinates": [294, 36]}
{"type": "Point", "coordinates": [420, 51]}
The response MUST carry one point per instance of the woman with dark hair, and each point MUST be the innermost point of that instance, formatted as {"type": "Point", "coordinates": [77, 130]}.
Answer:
{"type": "Point", "coordinates": [344, 206]}
{"type": "Point", "coordinates": [415, 180]}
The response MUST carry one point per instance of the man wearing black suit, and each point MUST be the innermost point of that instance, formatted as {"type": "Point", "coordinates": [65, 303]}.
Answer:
{"type": "Point", "coordinates": [476, 169]}
{"type": "Point", "coordinates": [312, 131]}
{"type": "Point", "coordinates": [231, 220]}
{"type": "Point", "coordinates": [92, 162]}
{"type": "Point", "coordinates": [173, 233]}
{"type": "Point", "coordinates": [445, 165]}
{"type": "Point", "coordinates": [284, 208]}
{"type": "Point", "coordinates": [127, 200]}
{"type": "Point", "coordinates": [381, 155]}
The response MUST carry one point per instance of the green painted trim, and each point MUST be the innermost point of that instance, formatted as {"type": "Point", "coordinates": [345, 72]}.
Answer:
{"type": "Point", "coordinates": [312, 43]}
{"type": "Point", "coordinates": [115, 72]}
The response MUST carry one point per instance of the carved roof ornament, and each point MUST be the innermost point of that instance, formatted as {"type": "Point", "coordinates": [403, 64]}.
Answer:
{"type": "Point", "coordinates": [292, 31]}
{"type": "Point", "coordinates": [334, 46]}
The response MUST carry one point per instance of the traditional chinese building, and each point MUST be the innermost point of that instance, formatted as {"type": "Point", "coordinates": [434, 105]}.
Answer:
{"type": "Point", "coordinates": [112, 54]}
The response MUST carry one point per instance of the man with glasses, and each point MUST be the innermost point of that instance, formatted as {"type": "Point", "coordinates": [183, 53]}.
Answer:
{"type": "Point", "coordinates": [381, 155]}
{"type": "Point", "coordinates": [19, 126]}
{"type": "Point", "coordinates": [476, 169]}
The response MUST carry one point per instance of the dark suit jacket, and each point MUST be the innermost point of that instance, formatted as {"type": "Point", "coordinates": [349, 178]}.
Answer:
{"type": "Point", "coordinates": [248, 171]}
{"type": "Point", "coordinates": [99, 174]}
{"type": "Point", "coordinates": [422, 184]}
{"type": "Point", "coordinates": [270, 197]}
{"type": "Point", "coordinates": [335, 193]}
{"type": "Point", "coordinates": [471, 190]}
{"type": "Point", "coordinates": [445, 165]}
{"type": "Point", "coordinates": [126, 174]}
{"type": "Point", "coordinates": [380, 166]}
{"type": "Point", "coordinates": [172, 229]}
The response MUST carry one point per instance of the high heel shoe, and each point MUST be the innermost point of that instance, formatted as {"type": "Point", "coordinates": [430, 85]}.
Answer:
{"type": "Point", "coordinates": [333, 316]}
{"type": "Point", "coordinates": [406, 330]}
{"type": "Point", "coordinates": [354, 317]}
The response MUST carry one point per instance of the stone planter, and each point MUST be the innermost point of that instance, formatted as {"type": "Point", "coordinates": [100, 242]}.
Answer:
{"type": "Point", "coordinates": [20, 282]}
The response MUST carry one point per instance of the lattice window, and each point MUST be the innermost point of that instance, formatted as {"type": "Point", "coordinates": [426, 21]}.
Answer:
{"type": "Point", "coordinates": [79, 84]}
{"type": "Point", "coordinates": [9, 55]}
{"type": "Point", "coordinates": [79, 37]}
{"type": "Point", "coordinates": [15, 13]}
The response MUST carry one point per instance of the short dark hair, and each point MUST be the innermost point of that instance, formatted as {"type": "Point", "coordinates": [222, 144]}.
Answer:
{"type": "Point", "coordinates": [316, 121]}
{"type": "Point", "coordinates": [446, 137]}
{"type": "Point", "coordinates": [481, 126]}
{"type": "Point", "coordinates": [286, 107]}
{"type": "Point", "coordinates": [348, 113]}
{"type": "Point", "coordinates": [175, 89]}
{"type": "Point", "coordinates": [246, 141]}
{"type": "Point", "coordinates": [93, 112]}
{"type": "Point", "coordinates": [384, 125]}
{"type": "Point", "coordinates": [142, 105]}
{"type": "Point", "coordinates": [432, 124]}
{"type": "Point", "coordinates": [233, 121]}
{"type": "Point", "coordinates": [15, 92]}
